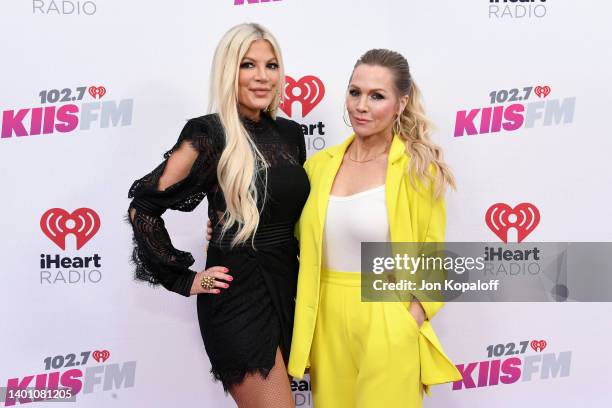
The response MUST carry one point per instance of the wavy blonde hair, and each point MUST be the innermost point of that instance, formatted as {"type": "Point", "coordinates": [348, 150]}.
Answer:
{"type": "Point", "coordinates": [412, 125]}
{"type": "Point", "coordinates": [240, 161]}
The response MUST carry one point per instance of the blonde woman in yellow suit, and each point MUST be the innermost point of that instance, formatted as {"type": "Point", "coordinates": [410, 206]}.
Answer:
{"type": "Point", "coordinates": [370, 354]}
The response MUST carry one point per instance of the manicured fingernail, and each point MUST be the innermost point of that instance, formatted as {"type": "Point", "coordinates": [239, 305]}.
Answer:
{"type": "Point", "coordinates": [229, 278]}
{"type": "Point", "coordinates": [217, 291]}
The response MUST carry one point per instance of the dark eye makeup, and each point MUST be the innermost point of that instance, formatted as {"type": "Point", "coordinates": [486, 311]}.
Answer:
{"type": "Point", "coordinates": [250, 64]}
{"type": "Point", "coordinates": [376, 95]}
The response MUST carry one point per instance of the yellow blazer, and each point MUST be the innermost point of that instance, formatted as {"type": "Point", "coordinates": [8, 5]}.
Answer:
{"type": "Point", "coordinates": [414, 216]}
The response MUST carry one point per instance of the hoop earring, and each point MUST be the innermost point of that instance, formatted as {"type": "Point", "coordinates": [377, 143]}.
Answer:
{"type": "Point", "coordinates": [397, 125]}
{"type": "Point", "coordinates": [347, 123]}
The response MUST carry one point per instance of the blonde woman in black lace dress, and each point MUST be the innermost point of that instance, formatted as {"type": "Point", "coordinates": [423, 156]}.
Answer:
{"type": "Point", "coordinates": [248, 163]}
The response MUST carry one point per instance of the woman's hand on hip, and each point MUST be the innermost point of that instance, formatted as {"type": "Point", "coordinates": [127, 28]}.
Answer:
{"type": "Point", "coordinates": [221, 276]}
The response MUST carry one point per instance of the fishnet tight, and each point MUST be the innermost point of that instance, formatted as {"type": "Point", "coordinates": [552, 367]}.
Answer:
{"type": "Point", "coordinates": [271, 392]}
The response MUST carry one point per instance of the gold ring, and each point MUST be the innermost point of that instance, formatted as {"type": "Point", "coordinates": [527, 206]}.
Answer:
{"type": "Point", "coordinates": [207, 282]}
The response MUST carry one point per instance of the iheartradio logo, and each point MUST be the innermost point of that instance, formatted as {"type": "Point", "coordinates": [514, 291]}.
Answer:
{"type": "Point", "coordinates": [542, 91]}
{"type": "Point", "coordinates": [57, 223]}
{"type": "Point", "coordinates": [97, 91]}
{"type": "Point", "coordinates": [500, 217]}
{"type": "Point", "coordinates": [308, 91]}
{"type": "Point", "coordinates": [538, 345]}
{"type": "Point", "coordinates": [101, 355]}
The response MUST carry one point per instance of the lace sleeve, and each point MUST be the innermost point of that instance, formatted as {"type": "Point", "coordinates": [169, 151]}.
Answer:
{"type": "Point", "coordinates": [155, 258]}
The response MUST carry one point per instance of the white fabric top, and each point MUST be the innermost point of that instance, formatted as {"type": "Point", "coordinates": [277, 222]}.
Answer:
{"type": "Point", "coordinates": [351, 220]}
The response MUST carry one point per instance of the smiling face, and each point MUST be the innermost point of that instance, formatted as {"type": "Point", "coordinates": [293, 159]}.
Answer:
{"type": "Point", "coordinates": [372, 101]}
{"type": "Point", "coordinates": [258, 79]}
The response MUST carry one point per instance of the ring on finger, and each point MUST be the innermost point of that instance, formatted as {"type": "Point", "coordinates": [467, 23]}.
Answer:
{"type": "Point", "coordinates": [207, 282]}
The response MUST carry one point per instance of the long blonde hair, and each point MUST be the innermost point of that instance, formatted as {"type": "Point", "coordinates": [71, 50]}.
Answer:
{"type": "Point", "coordinates": [240, 161]}
{"type": "Point", "coordinates": [412, 125]}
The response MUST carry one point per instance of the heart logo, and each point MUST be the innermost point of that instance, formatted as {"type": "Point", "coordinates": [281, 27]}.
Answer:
{"type": "Point", "coordinates": [101, 355]}
{"type": "Point", "coordinates": [542, 91]}
{"type": "Point", "coordinates": [97, 91]}
{"type": "Point", "coordinates": [525, 218]}
{"type": "Point", "coordinates": [538, 345]}
{"type": "Point", "coordinates": [308, 91]}
{"type": "Point", "coordinates": [57, 223]}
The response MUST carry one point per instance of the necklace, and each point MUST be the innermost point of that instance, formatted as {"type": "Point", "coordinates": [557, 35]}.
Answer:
{"type": "Point", "coordinates": [368, 160]}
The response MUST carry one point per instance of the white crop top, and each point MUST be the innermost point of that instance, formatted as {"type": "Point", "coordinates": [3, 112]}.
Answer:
{"type": "Point", "coordinates": [351, 220]}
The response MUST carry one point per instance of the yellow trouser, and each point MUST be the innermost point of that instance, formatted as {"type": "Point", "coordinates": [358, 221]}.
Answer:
{"type": "Point", "coordinates": [364, 354]}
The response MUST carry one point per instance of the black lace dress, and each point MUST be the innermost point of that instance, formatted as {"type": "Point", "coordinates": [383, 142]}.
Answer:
{"type": "Point", "coordinates": [244, 324]}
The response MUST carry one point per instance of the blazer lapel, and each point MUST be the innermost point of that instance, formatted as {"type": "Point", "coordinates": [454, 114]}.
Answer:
{"type": "Point", "coordinates": [395, 173]}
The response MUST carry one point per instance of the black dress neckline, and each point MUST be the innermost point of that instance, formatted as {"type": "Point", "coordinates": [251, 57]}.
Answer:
{"type": "Point", "coordinates": [259, 126]}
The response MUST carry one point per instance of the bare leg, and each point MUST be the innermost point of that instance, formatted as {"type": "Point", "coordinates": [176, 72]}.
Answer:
{"type": "Point", "coordinates": [271, 392]}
